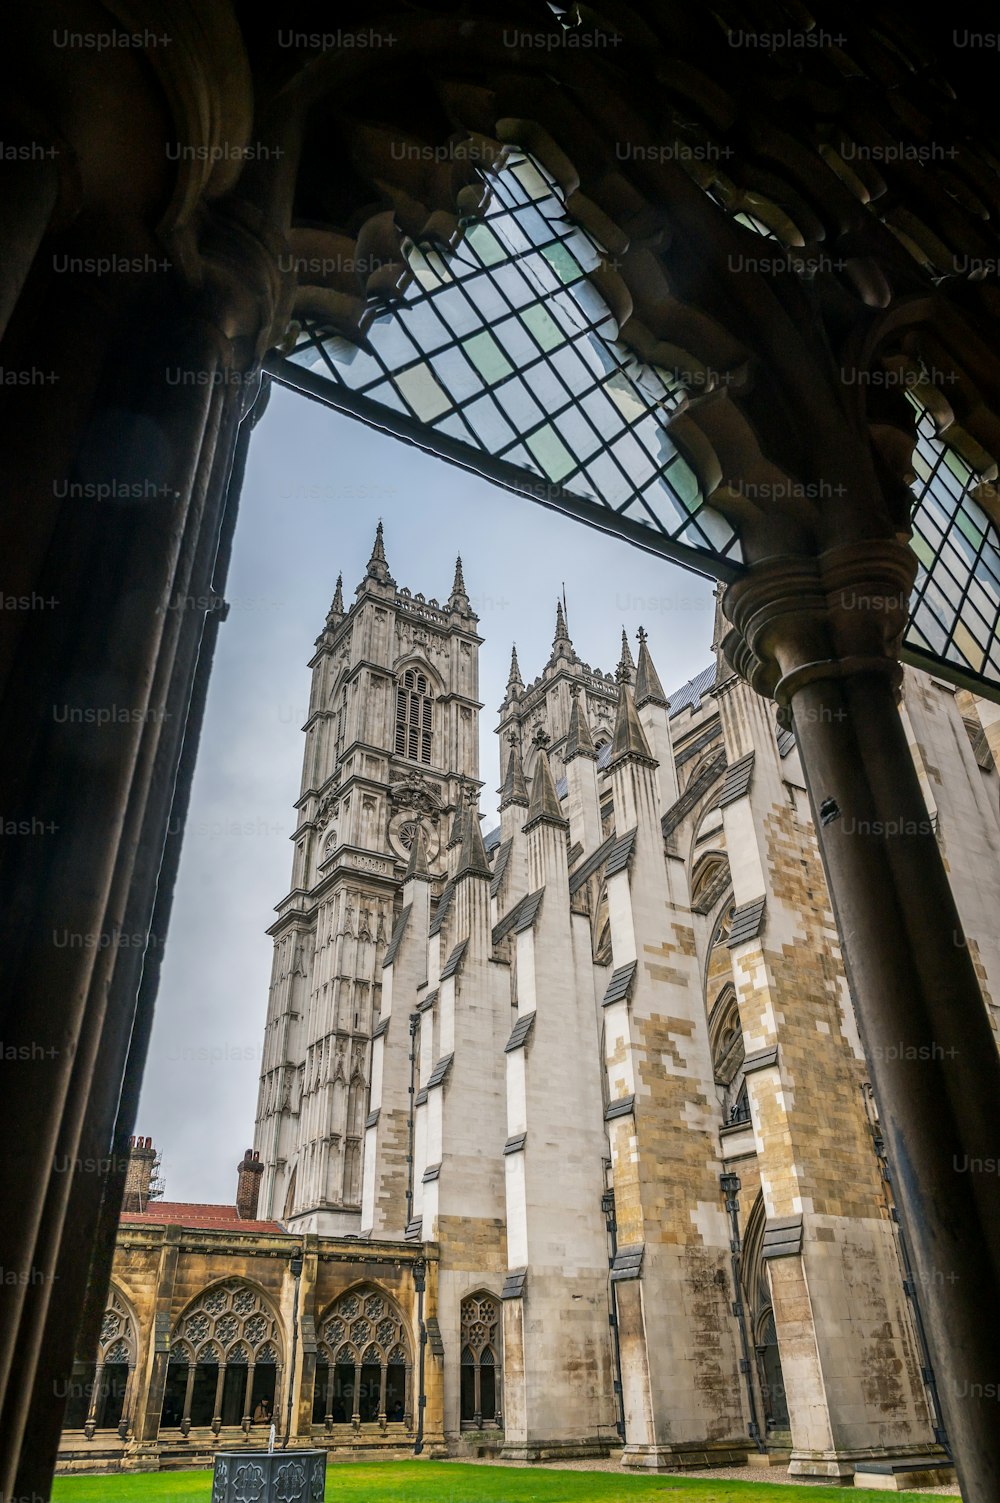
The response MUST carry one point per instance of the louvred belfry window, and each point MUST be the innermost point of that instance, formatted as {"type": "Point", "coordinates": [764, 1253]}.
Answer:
{"type": "Point", "coordinates": [413, 717]}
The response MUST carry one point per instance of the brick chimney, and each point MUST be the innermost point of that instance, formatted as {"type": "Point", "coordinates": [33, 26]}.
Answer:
{"type": "Point", "coordinates": [139, 1189]}
{"type": "Point", "coordinates": [248, 1185]}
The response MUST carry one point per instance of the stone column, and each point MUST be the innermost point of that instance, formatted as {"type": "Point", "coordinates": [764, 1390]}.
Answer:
{"type": "Point", "coordinates": [821, 636]}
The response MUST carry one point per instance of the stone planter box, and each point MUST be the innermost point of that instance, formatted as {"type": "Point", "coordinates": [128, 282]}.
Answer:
{"type": "Point", "coordinates": [275, 1477]}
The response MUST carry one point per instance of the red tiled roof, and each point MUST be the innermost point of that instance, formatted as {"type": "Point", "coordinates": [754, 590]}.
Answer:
{"type": "Point", "coordinates": [196, 1214]}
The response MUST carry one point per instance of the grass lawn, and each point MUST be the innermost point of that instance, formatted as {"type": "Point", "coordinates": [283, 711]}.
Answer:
{"type": "Point", "coordinates": [453, 1482]}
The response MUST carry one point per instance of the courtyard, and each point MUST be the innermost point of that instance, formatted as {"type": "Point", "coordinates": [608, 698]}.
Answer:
{"type": "Point", "coordinates": [458, 1482]}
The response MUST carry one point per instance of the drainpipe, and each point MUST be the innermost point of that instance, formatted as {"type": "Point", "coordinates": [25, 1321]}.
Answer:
{"type": "Point", "coordinates": [608, 1207]}
{"type": "Point", "coordinates": [296, 1267]}
{"type": "Point", "coordinates": [419, 1284]}
{"type": "Point", "coordinates": [730, 1184]}
{"type": "Point", "coordinates": [414, 1025]}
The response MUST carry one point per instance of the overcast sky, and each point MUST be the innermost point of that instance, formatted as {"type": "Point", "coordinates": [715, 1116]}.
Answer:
{"type": "Point", "coordinates": [315, 487]}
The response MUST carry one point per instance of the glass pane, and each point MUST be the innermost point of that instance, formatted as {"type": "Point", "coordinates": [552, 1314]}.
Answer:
{"type": "Point", "coordinates": [551, 453]}
{"type": "Point", "coordinates": [487, 356]}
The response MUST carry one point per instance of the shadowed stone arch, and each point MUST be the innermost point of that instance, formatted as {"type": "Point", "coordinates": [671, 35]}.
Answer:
{"type": "Point", "coordinates": [364, 1364]}
{"type": "Point", "coordinates": [225, 1358]}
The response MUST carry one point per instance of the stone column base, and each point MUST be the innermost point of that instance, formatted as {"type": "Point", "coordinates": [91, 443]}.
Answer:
{"type": "Point", "coordinates": [682, 1458]}
{"type": "Point", "coordinates": [884, 1464]}
{"type": "Point", "coordinates": [778, 1457]}
{"type": "Point", "coordinates": [556, 1450]}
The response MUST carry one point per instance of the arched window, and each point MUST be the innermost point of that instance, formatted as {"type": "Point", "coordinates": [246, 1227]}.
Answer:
{"type": "Point", "coordinates": [413, 717]}
{"type": "Point", "coordinates": [481, 1362]}
{"type": "Point", "coordinates": [757, 1298]}
{"type": "Point", "coordinates": [363, 1364]}
{"type": "Point", "coordinates": [100, 1393]}
{"type": "Point", "coordinates": [223, 1368]}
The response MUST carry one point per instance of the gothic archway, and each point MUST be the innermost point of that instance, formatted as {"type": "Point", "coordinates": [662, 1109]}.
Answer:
{"type": "Point", "coordinates": [225, 1361]}
{"type": "Point", "coordinates": [364, 1362]}
{"type": "Point", "coordinates": [102, 1391]}
{"type": "Point", "coordinates": [757, 1295]}
{"type": "Point", "coordinates": [481, 1388]}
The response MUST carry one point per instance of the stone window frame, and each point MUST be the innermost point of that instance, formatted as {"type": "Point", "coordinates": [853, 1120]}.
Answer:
{"type": "Point", "coordinates": [481, 1345]}
{"type": "Point", "coordinates": [228, 1347]}
{"type": "Point", "coordinates": [414, 721]}
{"type": "Point", "coordinates": [118, 1340]}
{"type": "Point", "coordinates": [352, 1308]}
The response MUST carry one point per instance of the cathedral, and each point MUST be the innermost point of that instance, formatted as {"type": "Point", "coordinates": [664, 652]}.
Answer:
{"type": "Point", "coordinates": [564, 1144]}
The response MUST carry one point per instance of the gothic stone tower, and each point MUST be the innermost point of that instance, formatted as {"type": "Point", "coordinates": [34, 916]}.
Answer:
{"type": "Point", "coordinates": [391, 737]}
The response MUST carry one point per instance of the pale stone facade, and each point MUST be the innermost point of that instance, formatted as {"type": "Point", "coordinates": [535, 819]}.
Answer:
{"type": "Point", "coordinates": [598, 1070]}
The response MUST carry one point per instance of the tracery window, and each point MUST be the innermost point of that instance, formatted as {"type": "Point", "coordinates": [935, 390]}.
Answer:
{"type": "Point", "coordinates": [363, 1363]}
{"type": "Point", "coordinates": [224, 1361]}
{"type": "Point", "coordinates": [100, 1392]}
{"type": "Point", "coordinates": [481, 1361]}
{"type": "Point", "coordinates": [413, 717]}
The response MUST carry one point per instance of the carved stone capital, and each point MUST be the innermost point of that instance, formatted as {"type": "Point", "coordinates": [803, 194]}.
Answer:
{"type": "Point", "coordinates": [797, 620]}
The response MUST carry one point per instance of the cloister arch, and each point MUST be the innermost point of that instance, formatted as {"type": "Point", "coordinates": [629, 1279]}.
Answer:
{"type": "Point", "coordinates": [226, 1359]}
{"type": "Point", "coordinates": [364, 1362]}
{"type": "Point", "coordinates": [102, 1390]}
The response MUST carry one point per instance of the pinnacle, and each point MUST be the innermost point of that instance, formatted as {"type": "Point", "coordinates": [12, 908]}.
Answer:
{"type": "Point", "coordinates": [629, 737]}
{"type": "Point", "coordinates": [337, 608]}
{"type": "Point", "coordinates": [544, 802]}
{"type": "Point", "coordinates": [514, 679]}
{"type": "Point", "coordinates": [378, 567]}
{"type": "Point", "coordinates": [648, 689]}
{"type": "Point", "coordinates": [458, 587]}
{"type": "Point", "coordinates": [626, 667]}
{"type": "Point", "coordinates": [472, 861]}
{"type": "Point", "coordinates": [562, 645]}
{"type": "Point", "coordinates": [417, 864]}
{"type": "Point", "coordinates": [515, 789]}
{"type": "Point", "coordinates": [579, 741]}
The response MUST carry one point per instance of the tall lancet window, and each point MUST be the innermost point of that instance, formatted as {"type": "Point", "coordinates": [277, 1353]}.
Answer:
{"type": "Point", "coordinates": [481, 1402]}
{"type": "Point", "coordinates": [413, 717]}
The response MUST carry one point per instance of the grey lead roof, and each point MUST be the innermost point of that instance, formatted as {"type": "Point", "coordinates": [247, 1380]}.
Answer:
{"type": "Point", "coordinates": [444, 903]}
{"type": "Point", "coordinates": [620, 854]}
{"type": "Point", "coordinates": [747, 922]}
{"type": "Point", "coordinates": [519, 1033]}
{"type": "Point", "coordinates": [620, 984]}
{"type": "Point", "coordinates": [397, 935]}
{"type": "Point", "coordinates": [439, 1071]}
{"type": "Point", "coordinates": [454, 960]}
{"type": "Point", "coordinates": [520, 917]}
{"type": "Point", "coordinates": [500, 866]}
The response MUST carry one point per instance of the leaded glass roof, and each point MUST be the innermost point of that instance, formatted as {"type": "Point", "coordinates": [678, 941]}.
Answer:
{"type": "Point", "coordinates": [504, 346]}
{"type": "Point", "coordinates": [955, 607]}
{"type": "Point", "coordinates": [502, 355]}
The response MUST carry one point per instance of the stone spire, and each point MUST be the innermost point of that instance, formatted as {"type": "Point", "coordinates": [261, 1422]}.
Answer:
{"type": "Point", "coordinates": [417, 864]}
{"type": "Point", "coordinates": [459, 597]}
{"type": "Point", "coordinates": [514, 789]}
{"type": "Point", "coordinates": [648, 688]}
{"type": "Point", "coordinates": [629, 738]}
{"type": "Point", "coordinates": [544, 802]}
{"type": "Point", "coordinates": [579, 741]}
{"type": "Point", "coordinates": [562, 646]}
{"type": "Point", "coordinates": [378, 568]}
{"type": "Point", "coordinates": [336, 613]}
{"type": "Point", "coordinates": [472, 861]}
{"type": "Point", "coordinates": [515, 683]}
